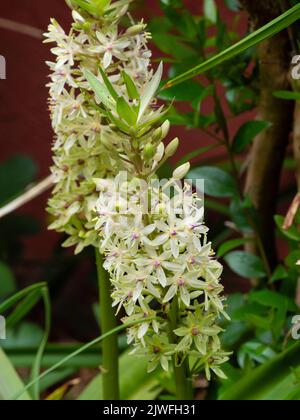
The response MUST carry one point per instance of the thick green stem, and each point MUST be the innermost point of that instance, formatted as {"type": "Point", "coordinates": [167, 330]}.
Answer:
{"type": "Point", "coordinates": [108, 321]}
{"type": "Point", "coordinates": [184, 388]}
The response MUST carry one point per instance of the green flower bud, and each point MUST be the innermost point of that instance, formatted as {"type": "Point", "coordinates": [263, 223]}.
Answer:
{"type": "Point", "coordinates": [149, 151]}
{"type": "Point", "coordinates": [136, 29]}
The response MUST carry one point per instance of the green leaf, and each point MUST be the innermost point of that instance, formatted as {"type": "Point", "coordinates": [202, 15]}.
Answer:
{"type": "Point", "coordinates": [291, 233]}
{"type": "Point", "coordinates": [275, 380]}
{"type": "Point", "coordinates": [126, 112]}
{"type": "Point", "coordinates": [245, 264]}
{"type": "Point", "coordinates": [230, 245]}
{"type": "Point", "coordinates": [10, 382]}
{"type": "Point", "coordinates": [195, 153]}
{"type": "Point", "coordinates": [15, 175]}
{"type": "Point", "coordinates": [217, 182]}
{"type": "Point", "coordinates": [7, 280]}
{"type": "Point", "coordinates": [130, 86]}
{"type": "Point", "coordinates": [233, 5]}
{"type": "Point", "coordinates": [99, 89]}
{"type": "Point", "coordinates": [267, 31]}
{"type": "Point", "coordinates": [272, 299]}
{"type": "Point", "coordinates": [85, 5]}
{"type": "Point", "coordinates": [247, 133]}
{"type": "Point", "coordinates": [279, 274]}
{"type": "Point", "coordinates": [135, 382]}
{"type": "Point", "coordinates": [210, 10]}
{"type": "Point", "coordinates": [7, 304]}
{"type": "Point", "coordinates": [288, 95]}
{"type": "Point", "coordinates": [239, 217]}
{"type": "Point", "coordinates": [93, 6]}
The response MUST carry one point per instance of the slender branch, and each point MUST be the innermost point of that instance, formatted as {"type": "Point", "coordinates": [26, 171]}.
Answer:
{"type": "Point", "coordinates": [29, 195]}
{"type": "Point", "coordinates": [108, 321]}
{"type": "Point", "coordinates": [21, 28]}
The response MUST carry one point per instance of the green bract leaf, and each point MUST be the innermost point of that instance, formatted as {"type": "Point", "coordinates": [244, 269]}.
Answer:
{"type": "Point", "coordinates": [109, 86]}
{"type": "Point", "coordinates": [85, 5]}
{"type": "Point", "coordinates": [99, 89]}
{"type": "Point", "coordinates": [151, 89]}
{"type": "Point", "coordinates": [130, 86]}
{"type": "Point", "coordinates": [126, 112]}
{"type": "Point", "coordinates": [217, 182]}
{"type": "Point", "coordinates": [247, 133]}
{"type": "Point", "coordinates": [245, 264]}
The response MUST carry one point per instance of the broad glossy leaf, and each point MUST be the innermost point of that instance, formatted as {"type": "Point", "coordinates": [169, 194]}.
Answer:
{"type": "Point", "coordinates": [272, 299]}
{"type": "Point", "coordinates": [230, 245]}
{"type": "Point", "coordinates": [188, 91]}
{"type": "Point", "coordinates": [247, 133]}
{"type": "Point", "coordinates": [245, 264]}
{"type": "Point", "coordinates": [217, 182]}
{"type": "Point", "coordinates": [291, 233]}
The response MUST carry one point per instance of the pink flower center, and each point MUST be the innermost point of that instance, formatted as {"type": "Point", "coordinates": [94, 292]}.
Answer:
{"type": "Point", "coordinates": [181, 282]}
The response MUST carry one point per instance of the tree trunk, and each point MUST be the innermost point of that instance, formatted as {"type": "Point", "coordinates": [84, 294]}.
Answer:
{"type": "Point", "coordinates": [268, 151]}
